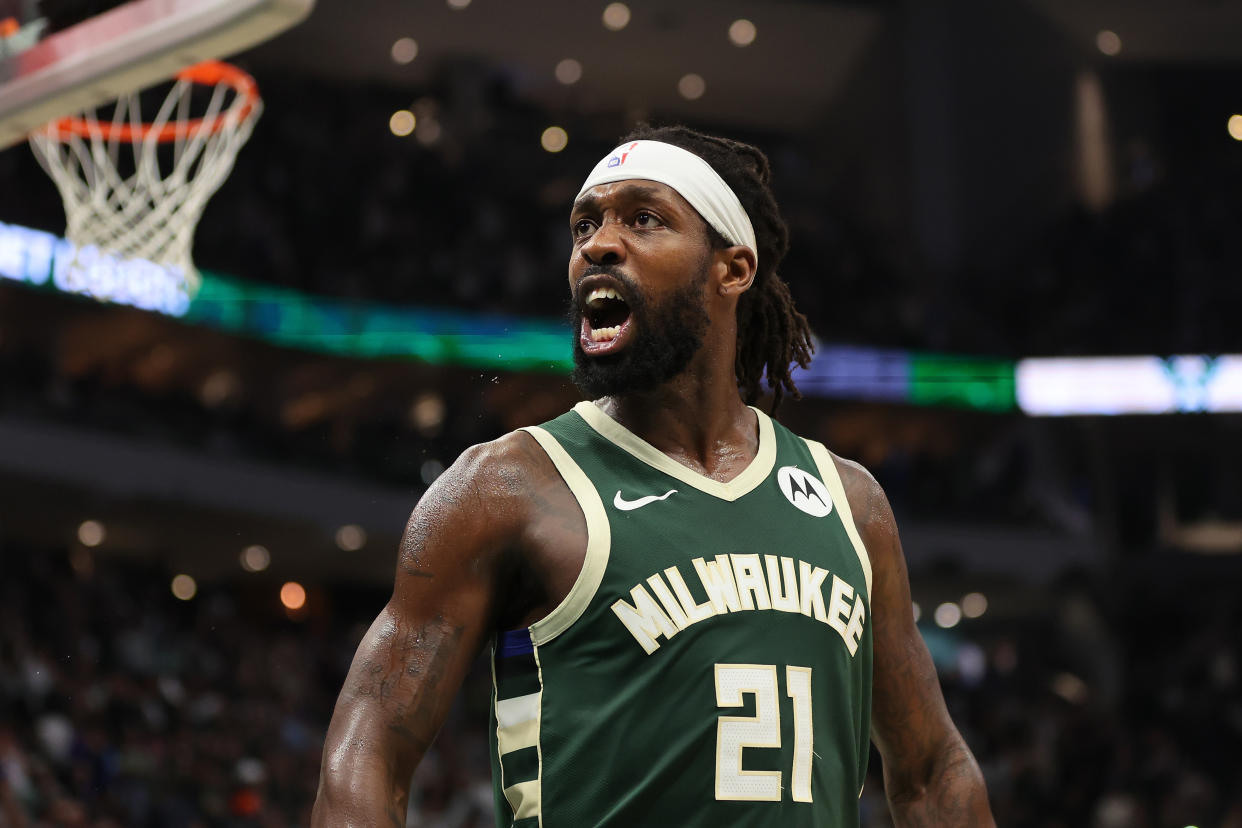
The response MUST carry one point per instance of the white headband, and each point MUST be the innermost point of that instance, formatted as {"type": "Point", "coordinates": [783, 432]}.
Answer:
{"type": "Point", "coordinates": [686, 173]}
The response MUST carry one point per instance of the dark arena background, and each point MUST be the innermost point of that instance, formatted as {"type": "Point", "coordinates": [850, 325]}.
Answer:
{"type": "Point", "coordinates": [1016, 232]}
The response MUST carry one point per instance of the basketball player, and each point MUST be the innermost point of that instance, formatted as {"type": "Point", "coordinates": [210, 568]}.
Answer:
{"type": "Point", "coordinates": [695, 617]}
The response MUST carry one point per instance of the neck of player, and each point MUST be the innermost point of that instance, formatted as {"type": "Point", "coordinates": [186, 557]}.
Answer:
{"type": "Point", "coordinates": [697, 418]}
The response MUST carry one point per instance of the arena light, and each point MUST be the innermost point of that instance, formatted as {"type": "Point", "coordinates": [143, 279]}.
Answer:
{"type": "Point", "coordinates": [458, 5]}
{"type": "Point", "coordinates": [184, 587]}
{"type": "Point", "coordinates": [1108, 42]}
{"type": "Point", "coordinates": [974, 604]}
{"type": "Point", "coordinates": [1235, 127]}
{"type": "Point", "coordinates": [427, 413]}
{"type": "Point", "coordinates": [917, 610]}
{"type": "Point", "coordinates": [402, 123]}
{"type": "Point", "coordinates": [255, 558]}
{"type": "Point", "coordinates": [691, 86]}
{"type": "Point", "coordinates": [351, 537]}
{"type": "Point", "coordinates": [554, 139]}
{"type": "Point", "coordinates": [742, 32]}
{"type": "Point", "coordinates": [91, 533]}
{"type": "Point", "coordinates": [616, 16]}
{"type": "Point", "coordinates": [569, 71]}
{"type": "Point", "coordinates": [1129, 385]}
{"type": "Point", "coordinates": [404, 50]}
{"type": "Point", "coordinates": [293, 595]}
{"type": "Point", "coordinates": [947, 615]}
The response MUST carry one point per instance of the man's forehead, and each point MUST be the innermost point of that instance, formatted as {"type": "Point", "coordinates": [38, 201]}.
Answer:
{"type": "Point", "coordinates": [629, 188]}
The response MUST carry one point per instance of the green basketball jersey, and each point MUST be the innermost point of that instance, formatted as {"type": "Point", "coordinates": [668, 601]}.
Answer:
{"type": "Point", "coordinates": [711, 665]}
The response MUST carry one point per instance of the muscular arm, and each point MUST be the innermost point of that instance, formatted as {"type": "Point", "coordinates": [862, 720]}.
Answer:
{"type": "Point", "coordinates": [459, 544]}
{"type": "Point", "coordinates": [930, 776]}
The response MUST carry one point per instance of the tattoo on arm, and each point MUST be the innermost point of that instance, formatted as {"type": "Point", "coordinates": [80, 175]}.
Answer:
{"type": "Point", "coordinates": [420, 655]}
{"type": "Point", "coordinates": [408, 667]}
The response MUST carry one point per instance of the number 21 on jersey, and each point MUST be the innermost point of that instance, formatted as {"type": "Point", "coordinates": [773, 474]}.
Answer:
{"type": "Point", "coordinates": [763, 730]}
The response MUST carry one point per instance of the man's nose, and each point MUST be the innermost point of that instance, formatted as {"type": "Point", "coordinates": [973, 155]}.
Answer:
{"type": "Point", "coordinates": [605, 246]}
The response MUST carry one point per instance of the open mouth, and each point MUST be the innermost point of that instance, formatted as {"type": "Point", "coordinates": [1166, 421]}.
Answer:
{"type": "Point", "coordinates": [606, 313]}
{"type": "Point", "coordinates": [605, 319]}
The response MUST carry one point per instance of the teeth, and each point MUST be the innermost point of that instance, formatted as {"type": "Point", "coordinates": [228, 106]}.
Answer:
{"type": "Point", "coordinates": [601, 293]}
{"type": "Point", "coordinates": [605, 334]}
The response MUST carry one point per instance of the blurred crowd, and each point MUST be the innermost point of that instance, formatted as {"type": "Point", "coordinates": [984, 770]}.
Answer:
{"type": "Point", "coordinates": [1155, 272]}
{"type": "Point", "coordinates": [122, 706]}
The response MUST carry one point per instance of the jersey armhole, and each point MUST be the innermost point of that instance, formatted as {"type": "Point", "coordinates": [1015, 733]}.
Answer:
{"type": "Point", "coordinates": [832, 479]}
{"type": "Point", "coordinates": [599, 541]}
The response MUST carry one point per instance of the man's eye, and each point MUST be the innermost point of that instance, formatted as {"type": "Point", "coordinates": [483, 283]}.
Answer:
{"type": "Point", "coordinates": [646, 220]}
{"type": "Point", "coordinates": [583, 227]}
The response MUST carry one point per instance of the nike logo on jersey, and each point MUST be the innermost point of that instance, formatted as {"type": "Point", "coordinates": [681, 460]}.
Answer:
{"type": "Point", "coordinates": [630, 505]}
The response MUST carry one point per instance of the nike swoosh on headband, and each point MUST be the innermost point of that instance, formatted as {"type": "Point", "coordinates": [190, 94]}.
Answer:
{"type": "Point", "coordinates": [629, 505]}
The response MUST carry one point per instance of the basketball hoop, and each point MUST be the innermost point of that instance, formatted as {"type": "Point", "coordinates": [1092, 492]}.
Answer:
{"type": "Point", "coordinates": [134, 189]}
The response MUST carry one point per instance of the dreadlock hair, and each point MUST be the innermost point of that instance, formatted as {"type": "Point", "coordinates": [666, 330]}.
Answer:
{"type": "Point", "coordinates": [771, 333]}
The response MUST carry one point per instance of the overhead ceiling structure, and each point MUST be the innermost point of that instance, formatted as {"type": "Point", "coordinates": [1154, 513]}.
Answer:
{"type": "Point", "coordinates": [1183, 31]}
{"type": "Point", "coordinates": [801, 57]}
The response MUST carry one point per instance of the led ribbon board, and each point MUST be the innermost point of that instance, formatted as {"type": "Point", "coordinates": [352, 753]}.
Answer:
{"type": "Point", "coordinates": [288, 317]}
{"type": "Point", "coordinates": [35, 257]}
{"type": "Point", "coordinates": [1130, 385]}
{"type": "Point", "coordinates": [372, 330]}
{"type": "Point", "coordinates": [847, 372]}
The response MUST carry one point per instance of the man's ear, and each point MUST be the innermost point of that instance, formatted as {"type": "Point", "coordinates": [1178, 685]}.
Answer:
{"type": "Point", "coordinates": [740, 264]}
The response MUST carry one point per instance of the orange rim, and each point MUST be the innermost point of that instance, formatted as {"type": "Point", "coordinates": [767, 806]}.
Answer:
{"type": "Point", "coordinates": [207, 73]}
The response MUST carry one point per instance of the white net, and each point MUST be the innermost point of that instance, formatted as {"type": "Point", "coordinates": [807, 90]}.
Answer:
{"type": "Point", "coordinates": [135, 189]}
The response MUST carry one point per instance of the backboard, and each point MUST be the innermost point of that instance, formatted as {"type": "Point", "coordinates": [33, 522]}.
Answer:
{"type": "Point", "coordinates": [56, 57]}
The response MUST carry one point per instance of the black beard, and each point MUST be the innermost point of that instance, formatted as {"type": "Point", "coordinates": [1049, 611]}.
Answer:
{"type": "Point", "coordinates": [666, 338]}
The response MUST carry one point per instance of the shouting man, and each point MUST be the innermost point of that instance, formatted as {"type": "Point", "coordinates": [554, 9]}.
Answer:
{"type": "Point", "coordinates": [696, 618]}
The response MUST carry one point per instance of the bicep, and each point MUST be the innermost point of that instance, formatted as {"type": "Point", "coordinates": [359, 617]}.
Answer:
{"type": "Point", "coordinates": [909, 719]}
{"type": "Point", "coordinates": [419, 649]}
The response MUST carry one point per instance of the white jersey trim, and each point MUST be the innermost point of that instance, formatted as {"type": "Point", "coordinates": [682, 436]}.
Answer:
{"type": "Point", "coordinates": [599, 542]}
{"type": "Point", "coordinates": [517, 726]}
{"type": "Point", "coordinates": [743, 484]}
{"type": "Point", "coordinates": [832, 479]}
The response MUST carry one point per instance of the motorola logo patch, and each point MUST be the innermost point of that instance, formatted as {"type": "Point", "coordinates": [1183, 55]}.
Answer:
{"type": "Point", "coordinates": [804, 491]}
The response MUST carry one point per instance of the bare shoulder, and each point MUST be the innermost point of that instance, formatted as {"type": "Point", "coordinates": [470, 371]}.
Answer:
{"type": "Point", "coordinates": [503, 467]}
{"type": "Point", "coordinates": [873, 516]}
{"type": "Point", "coordinates": [483, 501]}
